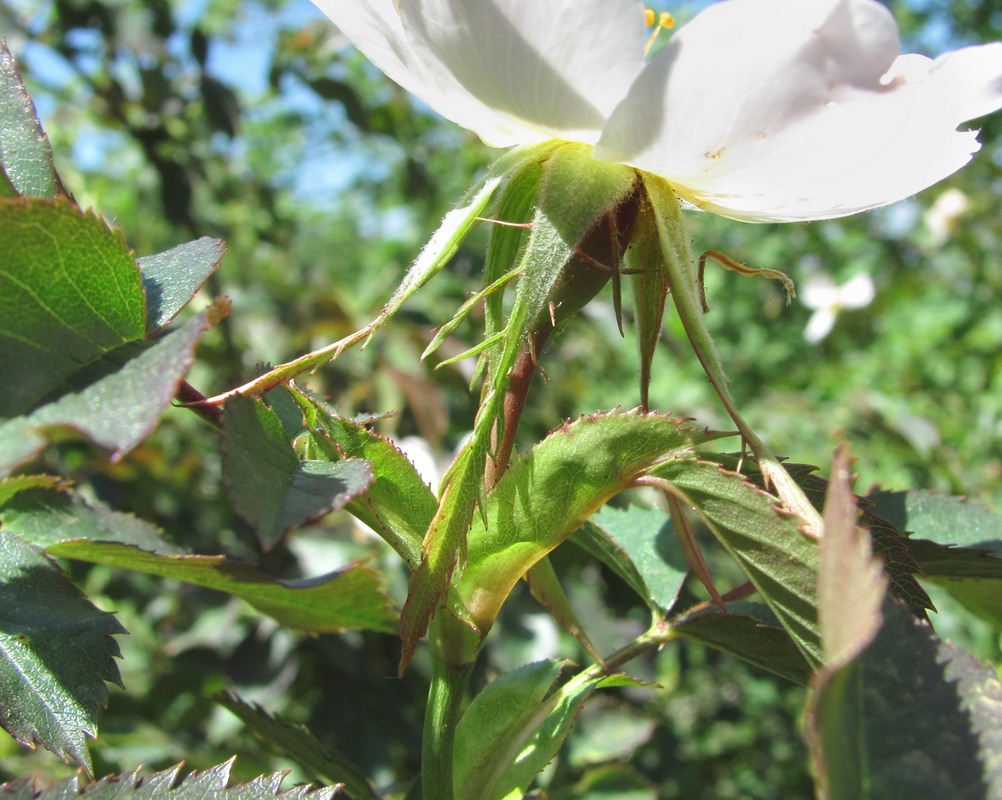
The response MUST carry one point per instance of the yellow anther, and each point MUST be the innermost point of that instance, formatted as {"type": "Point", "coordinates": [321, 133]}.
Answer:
{"type": "Point", "coordinates": [662, 21]}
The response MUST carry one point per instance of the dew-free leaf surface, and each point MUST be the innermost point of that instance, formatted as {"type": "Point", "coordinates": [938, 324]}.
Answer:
{"type": "Point", "coordinates": [56, 652]}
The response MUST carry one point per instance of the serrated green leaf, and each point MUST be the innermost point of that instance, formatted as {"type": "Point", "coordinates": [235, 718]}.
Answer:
{"type": "Point", "coordinates": [11, 487]}
{"type": "Point", "coordinates": [69, 292]}
{"type": "Point", "coordinates": [544, 496]}
{"type": "Point", "coordinates": [57, 650]}
{"type": "Point", "coordinates": [945, 520]}
{"type": "Point", "coordinates": [911, 716]}
{"type": "Point", "coordinates": [25, 154]}
{"type": "Point", "coordinates": [320, 763]}
{"type": "Point", "coordinates": [45, 517]}
{"type": "Point", "coordinates": [117, 410]}
{"type": "Point", "coordinates": [268, 484]}
{"type": "Point", "coordinates": [890, 543]}
{"type": "Point", "coordinates": [957, 544]}
{"type": "Point", "coordinates": [398, 504]}
{"type": "Point", "coordinates": [779, 559]}
{"type": "Point", "coordinates": [210, 784]}
{"type": "Point", "coordinates": [646, 538]}
{"type": "Point", "coordinates": [349, 598]}
{"type": "Point", "coordinates": [172, 278]}
{"type": "Point", "coordinates": [749, 631]}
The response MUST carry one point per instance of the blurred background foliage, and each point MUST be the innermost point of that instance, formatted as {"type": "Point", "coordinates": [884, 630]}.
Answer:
{"type": "Point", "coordinates": [254, 122]}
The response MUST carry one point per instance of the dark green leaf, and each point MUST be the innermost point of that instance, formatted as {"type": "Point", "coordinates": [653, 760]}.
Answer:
{"type": "Point", "coordinates": [25, 154]}
{"type": "Point", "coordinates": [749, 631]}
{"type": "Point", "coordinates": [957, 544]}
{"type": "Point", "coordinates": [889, 541]}
{"type": "Point", "coordinates": [398, 505]}
{"type": "Point", "coordinates": [58, 651]}
{"type": "Point", "coordinates": [116, 411]}
{"type": "Point", "coordinates": [69, 292]}
{"type": "Point", "coordinates": [910, 716]}
{"type": "Point", "coordinates": [320, 763]}
{"type": "Point", "coordinates": [212, 784]}
{"type": "Point", "coordinates": [351, 597]}
{"type": "Point", "coordinates": [268, 484]}
{"type": "Point", "coordinates": [46, 517]}
{"type": "Point", "coordinates": [172, 278]}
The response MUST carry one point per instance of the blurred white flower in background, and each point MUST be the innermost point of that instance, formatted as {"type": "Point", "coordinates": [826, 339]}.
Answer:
{"type": "Point", "coordinates": [943, 216]}
{"type": "Point", "coordinates": [828, 298]}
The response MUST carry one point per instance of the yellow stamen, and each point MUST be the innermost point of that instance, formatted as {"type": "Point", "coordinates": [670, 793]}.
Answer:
{"type": "Point", "coordinates": [664, 21]}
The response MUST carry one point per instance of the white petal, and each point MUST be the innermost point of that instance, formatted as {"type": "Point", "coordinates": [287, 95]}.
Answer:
{"type": "Point", "coordinates": [512, 71]}
{"type": "Point", "coordinates": [375, 28]}
{"type": "Point", "coordinates": [818, 291]}
{"type": "Point", "coordinates": [857, 292]}
{"type": "Point", "coordinates": [775, 110]}
{"type": "Point", "coordinates": [551, 69]}
{"type": "Point", "coordinates": [819, 325]}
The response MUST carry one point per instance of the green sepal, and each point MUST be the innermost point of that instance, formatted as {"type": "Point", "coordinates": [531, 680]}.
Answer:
{"type": "Point", "coordinates": [574, 191]}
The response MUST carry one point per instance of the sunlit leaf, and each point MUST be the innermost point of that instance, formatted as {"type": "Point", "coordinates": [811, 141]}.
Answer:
{"type": "Point", "coordinates": [46, 517]}
{"type": "Point", "coordinates": [654, 567]}
{"type": "Point", "coordinates": [269, 485]}
{"type": "Point", "coordinates": [956, 543]}
{"type": "Point", "coordinates": [351, 597]}
{"type": "Point", "coordinates": [211, 784]}
{"type": "Point", "coordinates": [544, 496]}
{"type": "Point", "coordinates": [172, 278]}
{"type": "Point", "coordinates": [25, 154]}
{"type": "Point", "coordinates": [57, 650]}
{"type": "Point", "coordinates": [69, 293]}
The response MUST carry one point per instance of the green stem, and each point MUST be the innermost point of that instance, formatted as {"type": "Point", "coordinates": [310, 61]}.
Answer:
{"type": "Point", "coordinates": [445, 703]}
